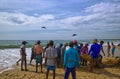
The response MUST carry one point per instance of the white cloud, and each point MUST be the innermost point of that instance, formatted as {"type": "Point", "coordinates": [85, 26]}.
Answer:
{"type": "Point", "coordinates": [98, 19]}
{"type": "Point", "coordinates": [103, 8]}
{"type": "Point", "coordinates": [20, 18]}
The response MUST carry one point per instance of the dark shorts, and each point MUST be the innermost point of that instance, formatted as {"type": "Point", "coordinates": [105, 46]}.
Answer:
{"type": "Point", "coordinates": [94, 57]}
{"type": "Point", "coordinates": [23, 58]}
{"type": "Point", "coordinates": [50, 67]}
{"type": "Point", "coordinates": [32, 55]}
{"type": "Point", "coordinates": [38, 58]}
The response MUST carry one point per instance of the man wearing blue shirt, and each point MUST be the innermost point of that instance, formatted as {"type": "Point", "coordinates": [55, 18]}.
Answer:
{"type": "Point", "coordinates": [94, 53]}
{"type": "Point", "coordinates": [71, 61]}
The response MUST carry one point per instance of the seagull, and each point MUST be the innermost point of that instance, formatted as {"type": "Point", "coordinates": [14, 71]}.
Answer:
{"type": "Point", "coordinates": [44, 27]}
{"type": "Point", "coordinates": [74, 35]}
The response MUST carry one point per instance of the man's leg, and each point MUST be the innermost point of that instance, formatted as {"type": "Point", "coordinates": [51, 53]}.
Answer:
{"type": "Point", "coordinates": [67, 72]}
{"type": "Point", "coordinates": [91, 65]}
{"type": "Point", "coordinates": [53, 74]}
{"type": "Point", "coordinates": [36, 66]}
{"type": "Point", "coordinates": [18, 61]}
{"type": "Point", "coordinates": [22, 65]}
{"type": "Point", "coordinates": [31, 61]}
{"type": "Point", "coordinates": [73, 71]}
{"type": "Point", "coordinates": [26, 66]}
{"type": "Point", "coordinates": [41, 67]}
{"type": "Point", "coordinates": [47, 73]}
{"type": "Point", "coordinates": [85, 62]}
{"type": "Point", "coordinates": [100, 58]}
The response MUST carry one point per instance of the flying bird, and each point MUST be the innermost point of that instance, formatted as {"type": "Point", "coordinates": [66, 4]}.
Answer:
{"type": "Point", "coordinates": [44, 27]}
{"type": "Point", "coordinates": [74, 35]}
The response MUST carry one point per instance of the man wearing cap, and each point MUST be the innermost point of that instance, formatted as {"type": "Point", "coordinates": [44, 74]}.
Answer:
{"type": "Point", "coordinates": [38, 49]}
{"type": "Point", "coordinates": [94, 53]}
{"type": "Point", "coordinates": [23, 55]}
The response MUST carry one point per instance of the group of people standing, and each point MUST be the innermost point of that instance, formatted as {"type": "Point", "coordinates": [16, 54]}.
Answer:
{"type": "Point", "coordinates": [67, 56]}
{"type": "Point", "coordinates": [110, 48]}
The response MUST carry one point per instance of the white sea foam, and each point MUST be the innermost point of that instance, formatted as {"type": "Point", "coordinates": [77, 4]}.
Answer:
{"type": "Point", "coordinates": [8, 57]}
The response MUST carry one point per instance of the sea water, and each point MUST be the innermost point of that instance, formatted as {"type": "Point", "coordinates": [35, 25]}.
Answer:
{"type": "Point", "coordinates": [44, 42]}
{"type": "Point", "coordinates": [8, 57]}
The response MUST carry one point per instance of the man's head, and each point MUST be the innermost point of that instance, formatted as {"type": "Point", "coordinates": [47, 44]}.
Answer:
{"type": "Point", "coordinates": [95, 40]}
{"type": "Point", "coordinates": [24, 42]}
{"type": "Point", "coordinates": [51, 42]}
{"type": "Point", "coordinates": [38, 42]}
{"type": "Point", "coordinates": [71, 44]}
{"type": "Point", "coordinates": [101, 42]}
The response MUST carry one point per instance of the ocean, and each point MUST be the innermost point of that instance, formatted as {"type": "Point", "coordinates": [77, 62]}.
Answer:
{"type": "Point", "coordinates": [9, 50]}
{"type": "Point", "coordinates": [17, 43]}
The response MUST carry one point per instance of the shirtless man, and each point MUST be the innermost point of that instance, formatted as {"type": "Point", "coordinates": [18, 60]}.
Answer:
{"type": "Point", "coordinates": [38, 49]}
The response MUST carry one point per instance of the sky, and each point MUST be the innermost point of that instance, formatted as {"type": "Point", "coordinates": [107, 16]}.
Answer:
{"type": "Point", "coordinates": [23, 19]}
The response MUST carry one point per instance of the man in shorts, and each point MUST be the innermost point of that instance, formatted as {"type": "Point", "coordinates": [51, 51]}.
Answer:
{"type": "Point", "coordinates": [38, 50]}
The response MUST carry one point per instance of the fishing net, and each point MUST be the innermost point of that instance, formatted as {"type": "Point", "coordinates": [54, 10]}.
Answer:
{"type": "Point", "coordinates": [111, 61]}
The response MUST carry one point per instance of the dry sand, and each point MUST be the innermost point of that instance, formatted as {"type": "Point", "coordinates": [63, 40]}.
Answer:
{"type": "Point", "coordinates": [82, 73]}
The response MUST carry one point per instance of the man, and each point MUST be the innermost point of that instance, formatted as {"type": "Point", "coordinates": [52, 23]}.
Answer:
{"type": "Point", "coordinates": [71, 61]}
{"type": "Point", "coordinates": [50, 59]}
{"type": "Point", "coordinates": [38, 49]}
{"type": "Point", "coordinates": [100, 56]}
{"type": "Point", "coordinates": [108, 49]}
{"type": "Point", "coordinates": [94, 53]}
{"type": "Point", "coordinates": [33, 56]}
{"type": "Point", "coordinates": [59, 50]}
{"type": "Point", "coordinates": [23, 55]}
{"type": "Point", "coordinates": [76, 46]}
{"type": "Point", "coordinates": [84, 51]}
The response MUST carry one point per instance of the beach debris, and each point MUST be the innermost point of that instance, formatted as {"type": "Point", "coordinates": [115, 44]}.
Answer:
{"type": "Point", "coordinates": [44, 27]}
{"type": "Point", "coordinates": [74, 34]}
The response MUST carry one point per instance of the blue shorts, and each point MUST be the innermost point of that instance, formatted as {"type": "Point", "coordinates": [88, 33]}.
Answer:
{"type": "Point", "coordinates": [94, 56]}
{"type": "Point", "coordinates": [113, 50]}
{"type": "Point", "coordinates": [50, 67]}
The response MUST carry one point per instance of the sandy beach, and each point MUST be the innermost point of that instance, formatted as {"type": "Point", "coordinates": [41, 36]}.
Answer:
{"type": "Point", "coordinates": [82, 73]}
{"type": "Point", "coordinates": [107, 72]}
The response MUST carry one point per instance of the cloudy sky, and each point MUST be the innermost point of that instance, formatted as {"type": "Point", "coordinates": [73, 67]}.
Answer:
{"type": "Point", "coordinates": [23, 19]}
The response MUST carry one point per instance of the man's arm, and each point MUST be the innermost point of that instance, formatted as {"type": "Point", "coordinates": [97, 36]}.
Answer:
{"type": "Point", "coordinates": [90, 50]}
{"type": "Point", "coordinates": [22, 50]}
{"type": "Point", "coordinates": [78, 60]}
{"type": "Point", "coordinates": [102, 51]}
{"type": "Point", "coordinates": [65, 59]}
{"type": "Point", "coordinates": [34, 50]}
{"type": "Point", "coordinates": [45, 58]}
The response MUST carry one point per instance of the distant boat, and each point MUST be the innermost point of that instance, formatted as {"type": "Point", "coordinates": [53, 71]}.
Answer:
{"type": "Point", "coordinates": [44, 27]}
{"type": "Point", "coordinates": [74, 35]}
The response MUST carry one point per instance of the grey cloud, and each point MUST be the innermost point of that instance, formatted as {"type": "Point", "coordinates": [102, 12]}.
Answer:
{"type": "Point", "coordinates": [15, 20]}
